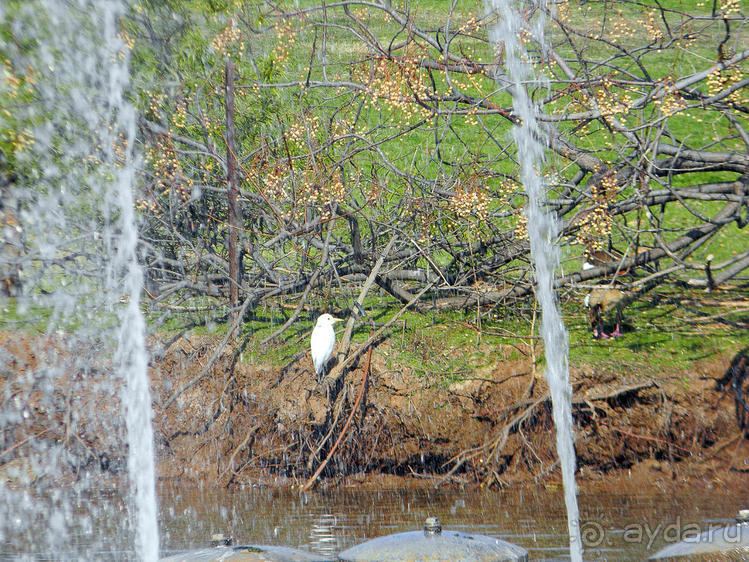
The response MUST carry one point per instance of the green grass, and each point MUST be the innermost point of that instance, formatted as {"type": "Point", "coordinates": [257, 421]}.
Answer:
{"type": "Point", "coordinates": [662, 332]}
{"type": "Point", "coordinates": [448, 347]}
{"type": "Point", "coordinates": [415, 151]}
{"type": "Point", "coordinates": [69, 313]}
{"type": "Point", "coordinates": [33, 318]}
{"type": "Point", "coordinates": [451, 345]}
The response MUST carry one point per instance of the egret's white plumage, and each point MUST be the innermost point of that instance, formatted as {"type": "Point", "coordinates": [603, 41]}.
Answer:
{"type": "Point", "coordinates": [322, 342]}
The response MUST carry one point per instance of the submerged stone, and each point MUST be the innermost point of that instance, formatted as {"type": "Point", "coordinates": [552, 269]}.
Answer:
{"type": "Point", "coordinates": [725, 543]}
{"type": "Point", "coordinates": [434, 544]}
{"type": "Point", "coordinates": [267, 553]}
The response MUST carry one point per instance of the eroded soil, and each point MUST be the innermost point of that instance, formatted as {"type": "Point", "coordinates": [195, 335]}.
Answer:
{"type": "Point", "coordinates": [238, 423]}
{"type": "Point", "coordinates": [223, 421]}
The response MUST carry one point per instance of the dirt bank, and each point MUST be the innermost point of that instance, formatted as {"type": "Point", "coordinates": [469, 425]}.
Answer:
{"type": "Point", "coordinates": [226, 422]}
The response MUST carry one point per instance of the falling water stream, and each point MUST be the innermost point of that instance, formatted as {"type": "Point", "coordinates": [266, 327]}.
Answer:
{"type": "Point", "coordinates": [542, 231]}
{"type": "Point", "coordinates": [76, 306]}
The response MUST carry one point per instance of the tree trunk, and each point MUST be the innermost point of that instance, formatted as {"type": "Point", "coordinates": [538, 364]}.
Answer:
{"type": "Point", "coordinates": [233, 190]}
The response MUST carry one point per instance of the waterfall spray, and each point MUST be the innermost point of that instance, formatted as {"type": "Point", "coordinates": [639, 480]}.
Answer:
{"type": "Point", "coordinates": [131, 357]}
{"type": "Point", "coordinates": [80, 282]}
{"type": "Point", "coordinates": [542, 231]}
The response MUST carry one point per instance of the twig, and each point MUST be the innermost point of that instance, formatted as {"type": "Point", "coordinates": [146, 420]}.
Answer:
{"type": "Point", "coordinates": [334, 448]}
{"type": "Point", "coordinates": [646, 437]}
{"type": "Point", "coordinates": [547, 470]}
{"type": "Point", "coordinates": [718, 316]}
{"type": "Point", "coordinates": [307, 290]}
{"type": "Point", "coordinates": [346, 339]}
{"type": "Point", "coordinates": [338, 371]}
{"type": "Point", "coordinates": [704, 317]}
{"type": "Point", "coordinates": [719, 448]}
{"type": "Point", "coordinates": [29, 438]}
{"type": "Point", "coordinates": [239, 447]}
{"type": "Point", "coordinates": [213, 358]}
{"type": "Point", "coordinates": [495, 445]}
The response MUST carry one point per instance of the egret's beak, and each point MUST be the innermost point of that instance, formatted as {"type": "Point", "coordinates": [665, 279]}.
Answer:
{"type": "Point", "coordinates": [337, 320]}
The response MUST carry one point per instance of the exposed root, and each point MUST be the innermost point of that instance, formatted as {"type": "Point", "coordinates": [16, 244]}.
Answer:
{"type": "Point", "coordinates": [238, 423]}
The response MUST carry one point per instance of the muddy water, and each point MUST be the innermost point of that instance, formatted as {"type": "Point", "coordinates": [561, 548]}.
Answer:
{"type": "Point", "coordinates": [615, 526]}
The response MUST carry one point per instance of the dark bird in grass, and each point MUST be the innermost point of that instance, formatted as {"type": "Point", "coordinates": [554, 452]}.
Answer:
{"type": "Point", "coordinates": [599, 302]}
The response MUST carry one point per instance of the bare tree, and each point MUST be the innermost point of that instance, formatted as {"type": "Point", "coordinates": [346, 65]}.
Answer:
{"type": "Point", "coordinates": [381, 121]}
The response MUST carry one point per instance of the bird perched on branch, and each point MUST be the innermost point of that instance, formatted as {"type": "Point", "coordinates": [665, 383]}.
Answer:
{"type": "Point", "coordinates": [600, 301]}
{"type": "Point", "coordinates": [322, 343]}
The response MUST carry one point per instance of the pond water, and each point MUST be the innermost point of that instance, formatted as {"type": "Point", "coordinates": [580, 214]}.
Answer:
{"type": "Point", "coordinates": [614, 526]}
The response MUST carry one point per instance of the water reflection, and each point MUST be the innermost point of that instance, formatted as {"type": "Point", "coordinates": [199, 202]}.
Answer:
{"type": "Point", "coordinates": [614, 526]}
{"type": "Point", "coordinates": [322, 538]}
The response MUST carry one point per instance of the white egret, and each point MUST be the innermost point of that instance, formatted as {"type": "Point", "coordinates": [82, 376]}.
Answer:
{"type": "Point", "coordinates": [322, 342]}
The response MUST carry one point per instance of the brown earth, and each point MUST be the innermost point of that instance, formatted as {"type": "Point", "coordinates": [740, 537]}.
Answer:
{"type": "Point", "coordinates": [223, 421]}
{"type": "Point", "coordinates": [238, 423]}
